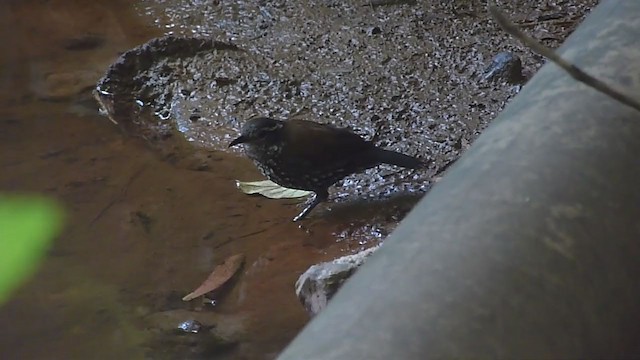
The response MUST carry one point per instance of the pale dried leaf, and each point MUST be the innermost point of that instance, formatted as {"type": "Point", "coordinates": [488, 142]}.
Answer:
{"type": "Point", "coordinates": [270, 189]}
{"type": "Point", "coordinates": [220, 275]}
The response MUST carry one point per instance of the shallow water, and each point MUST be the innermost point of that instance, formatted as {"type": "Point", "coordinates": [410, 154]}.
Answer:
{"type": "Point", "coordinates": [141, 233]}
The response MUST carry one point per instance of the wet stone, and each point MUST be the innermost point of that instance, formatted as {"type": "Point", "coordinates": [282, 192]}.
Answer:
{"type": "Point", "coordinates": [183, 334]}
{"type": "Point", "coordinates": [190, 326]}
{"type": "Point", "coordinates": [138, 90]}
{"type": "Point", "coordinates": [374, 30]}
{"type": "Point", "coordinates": [505, 67]}
{"type": "Point", "coordinates": [320, 282]}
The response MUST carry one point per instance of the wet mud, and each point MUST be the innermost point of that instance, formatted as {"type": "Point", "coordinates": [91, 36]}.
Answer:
{"type": "Point", "coordinates": [151, 202]}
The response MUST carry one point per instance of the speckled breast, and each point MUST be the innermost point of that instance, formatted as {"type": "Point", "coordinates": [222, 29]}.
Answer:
{"type": "Point", "coordinates": [302, 175]}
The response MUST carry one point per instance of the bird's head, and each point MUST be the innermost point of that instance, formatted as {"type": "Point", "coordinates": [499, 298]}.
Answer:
{"type": "Point", "coordinates": [258, 129]}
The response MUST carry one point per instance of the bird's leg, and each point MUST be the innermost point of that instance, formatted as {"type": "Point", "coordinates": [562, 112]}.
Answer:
{"type": "Point", "coordinates": [307, 209]}
{"type": "Point", "coordinates": [318, 197]}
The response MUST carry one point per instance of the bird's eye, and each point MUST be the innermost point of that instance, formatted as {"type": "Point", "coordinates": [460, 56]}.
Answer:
{"type": "Point", "coordinates": [267, 130]}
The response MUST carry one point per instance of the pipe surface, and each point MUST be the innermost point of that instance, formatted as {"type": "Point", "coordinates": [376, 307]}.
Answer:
{"type": "Point", "coordinates": [530, 246]}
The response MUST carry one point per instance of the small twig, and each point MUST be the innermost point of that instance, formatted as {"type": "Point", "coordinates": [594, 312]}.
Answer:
{"type": "Point", "coordinates": [547, 22]}
{"type": "Point", "coordinates": [571, 69]}
{"type": "Point", "coordinates": [123, 193]}
{"type": "Point", "coordinates": [232, 239]}
{"type": "Point", "coordinates": [252, 233]}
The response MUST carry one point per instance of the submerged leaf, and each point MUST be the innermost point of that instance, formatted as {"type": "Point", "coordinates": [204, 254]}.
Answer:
{"type": "Point", "coordinates": [270, 189]}
{"type": "Point", "coordinates": [220, 275]}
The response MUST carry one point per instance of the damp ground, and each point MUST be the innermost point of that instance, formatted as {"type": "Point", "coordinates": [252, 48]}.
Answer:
{"type": "Point", "coordinates": [145, 226]}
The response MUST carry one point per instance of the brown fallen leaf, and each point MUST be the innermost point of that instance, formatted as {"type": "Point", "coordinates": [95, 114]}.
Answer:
{"type": "Point", "coordinates": [220, 275]}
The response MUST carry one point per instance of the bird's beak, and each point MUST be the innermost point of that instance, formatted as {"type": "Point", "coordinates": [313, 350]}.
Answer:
{"type": "Point", "coordinates": [239, 140]}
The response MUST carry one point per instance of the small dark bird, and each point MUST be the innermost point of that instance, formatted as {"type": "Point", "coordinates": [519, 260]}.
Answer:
{"type": "Point", "coordinates": [305, 155]}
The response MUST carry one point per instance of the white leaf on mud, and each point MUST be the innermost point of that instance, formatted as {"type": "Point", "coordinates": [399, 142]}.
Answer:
{"type": "Point", "coordinates": [270, 189]}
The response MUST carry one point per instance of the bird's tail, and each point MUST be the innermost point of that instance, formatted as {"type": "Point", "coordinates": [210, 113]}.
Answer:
{"type": "Point", "coordinates": [398, 159]}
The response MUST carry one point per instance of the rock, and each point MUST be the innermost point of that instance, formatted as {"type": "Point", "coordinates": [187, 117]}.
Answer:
{"type": "Point", "coordinates": [506, 67]}
{"type": "Point", "coordinates": [374, 30]}
{"type": "Point", "coordinates": [130, 78]}
{"type": "Point", "coordinates": [191, 326]}
{"type": "Point", "coordinates": [144, 77]}
{"type": "Point", "coordinates": [226, 326]}
{"type": "Point", "coordinates": [183, 334]}
{"type": "Point", "coordinates": [320, 282]}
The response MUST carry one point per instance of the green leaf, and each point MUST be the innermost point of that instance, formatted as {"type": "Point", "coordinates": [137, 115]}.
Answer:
{"type": "Point", "coordinates": [28, 224]}
{"type": "Point", "coordinates": [270, 189]}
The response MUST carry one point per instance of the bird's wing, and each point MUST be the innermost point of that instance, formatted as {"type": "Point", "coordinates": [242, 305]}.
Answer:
{"type": "Point", "coordinates": [313, 143]}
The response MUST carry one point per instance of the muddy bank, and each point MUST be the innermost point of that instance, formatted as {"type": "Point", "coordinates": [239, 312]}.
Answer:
{"type": "Point", "coordinates": [410, 76]}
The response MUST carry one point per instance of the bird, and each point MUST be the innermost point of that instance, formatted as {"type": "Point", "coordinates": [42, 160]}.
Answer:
{"type": "Point", "coordinates": [306, 155]}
